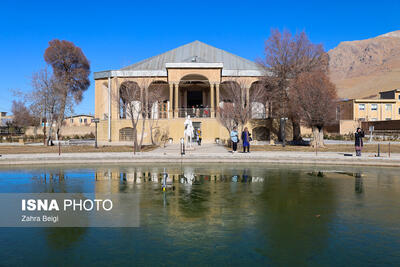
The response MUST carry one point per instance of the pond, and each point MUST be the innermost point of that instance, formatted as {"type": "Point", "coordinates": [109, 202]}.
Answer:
{"type": "Point", "coordinates": [216, 214]}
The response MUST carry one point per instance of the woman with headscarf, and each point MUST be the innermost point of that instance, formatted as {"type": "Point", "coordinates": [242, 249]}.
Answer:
{"type": "Point", "coordinates": [246, 140]}
{"type": "Point", "coordinates": [359, 134]}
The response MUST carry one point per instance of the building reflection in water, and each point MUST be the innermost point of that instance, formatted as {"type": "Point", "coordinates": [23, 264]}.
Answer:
{"type": "Point", "coordinates": [192, 193]}
{"type": "Point", "coordinates": [281, 213]}
{"type": "Point", "coordinates": [113, 180]}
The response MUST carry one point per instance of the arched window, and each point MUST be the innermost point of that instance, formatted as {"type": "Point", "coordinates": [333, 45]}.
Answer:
{"type": "Point", "coordinates": [126, 134]}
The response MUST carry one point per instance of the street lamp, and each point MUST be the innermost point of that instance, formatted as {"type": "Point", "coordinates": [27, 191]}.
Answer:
{"type": "Point", "coordinates": [95, 120]}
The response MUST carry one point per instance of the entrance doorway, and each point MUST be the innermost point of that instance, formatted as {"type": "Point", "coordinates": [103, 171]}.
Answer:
{"type": "Point", "coordinates": [194, 98]}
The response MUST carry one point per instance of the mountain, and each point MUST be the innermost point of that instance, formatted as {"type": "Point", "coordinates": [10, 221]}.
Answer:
{"type": "Point", "coordinates": [361, 69]}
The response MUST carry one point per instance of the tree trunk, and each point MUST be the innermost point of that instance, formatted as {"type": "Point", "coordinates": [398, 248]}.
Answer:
{"type": "Point", "coordinates": [60, 118]}
{"type": "Point", "coordinates": [142, 133]}
{"type": "Point", "coordinates": [44, 134]}
{"type": "Point", "coordinates": [135, 141]}
{"type": "Point", "coordinates": [49, 138]}
{"type": "Point", "coordinates": [151, 135]}
{"type": "Point", "coordinates": [296, 131]}
{"type": "Point", "coordinates": [321, 137]}
{"type": "Point", "coordinates": [318, 137]}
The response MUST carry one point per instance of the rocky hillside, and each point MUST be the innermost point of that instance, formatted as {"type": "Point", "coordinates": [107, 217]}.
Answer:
{"type": "Point", "coordinates": [363, 68]}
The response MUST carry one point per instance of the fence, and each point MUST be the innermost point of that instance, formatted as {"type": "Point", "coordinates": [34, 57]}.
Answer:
{"type": "Point", "coordinates": [391, 127]}
{"type": "Point", "coordinates": [194, 112]}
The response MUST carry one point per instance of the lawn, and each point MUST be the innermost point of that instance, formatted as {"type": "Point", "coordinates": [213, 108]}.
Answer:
{"type": "Point", "coordinates": [27, 149]}
{"type": "Point", "coordinates": [373, 148]}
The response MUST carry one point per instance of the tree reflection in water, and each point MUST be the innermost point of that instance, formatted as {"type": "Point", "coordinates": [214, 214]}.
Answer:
{"type": "Point", "coordinates": [358, 183]}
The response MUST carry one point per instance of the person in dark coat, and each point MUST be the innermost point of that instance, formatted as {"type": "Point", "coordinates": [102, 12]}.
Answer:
{"type": "Point", "coordinates": [359, 134]}
{"type": "Point", "coordinates": [246, 140]}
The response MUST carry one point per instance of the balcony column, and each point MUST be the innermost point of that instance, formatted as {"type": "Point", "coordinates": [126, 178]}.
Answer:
{"type": "Point", "coordinates": [212, 109]}
{"type": "Point", "coordinates": [176, 100]}
{"type": "Point", "coordinates": [217, 98]}
{"type": "Point", "coordinates": [171, 98]}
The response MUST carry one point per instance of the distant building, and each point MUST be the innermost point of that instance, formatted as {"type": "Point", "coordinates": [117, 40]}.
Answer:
{"type": "Point", "coordinates": [78, 120]}
{"type": "Point", "coordinates": [77, 125]}
{"type": "Point", "coordinates": [4, 118]}
{"type": "Point", "coordinates": [387, 107]}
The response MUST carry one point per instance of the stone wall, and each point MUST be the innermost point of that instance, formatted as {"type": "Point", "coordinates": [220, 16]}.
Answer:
{"type": "Point", "coordinates": [68, 131]}
{"type": "Point", "coordinates": [348, 126]}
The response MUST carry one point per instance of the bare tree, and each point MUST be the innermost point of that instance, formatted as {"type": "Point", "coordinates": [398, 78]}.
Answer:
{"type": "Point", "coordinates": [241, 102]}
{"type": "Point", "coordinates": [21, 115]}
{"type": "Point", "coordinates": [132, 97]}
{"type": "Point", "coordinates": [46, 100]}
{"type": "Point", "coordinates": [145, 106]}
{"type": "Point", "coordinates": [71, 72]}
{"type": "Point", "coordinates": [154, 100]}
{"type": "Point", "coordinates": [226, 116]}
{"type": "Point", "coordinates": [315, 102]}
{"type": "Point", "coordinates": [286, 57]}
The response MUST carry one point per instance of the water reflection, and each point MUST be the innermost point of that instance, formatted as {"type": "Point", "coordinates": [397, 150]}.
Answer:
{"type": "Point", "coordinates": [230, 214]}
{"type": "Point", "coordinates": [64, 238]}
{"type": "Point", "coordinates": [358, 183]}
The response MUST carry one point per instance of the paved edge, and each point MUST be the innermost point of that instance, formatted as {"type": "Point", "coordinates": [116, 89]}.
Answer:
{"type": "Point", "coordinates": [384, 162]}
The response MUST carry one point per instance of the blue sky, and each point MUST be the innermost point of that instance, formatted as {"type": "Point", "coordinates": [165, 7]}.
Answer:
{"type": "Point", "coordinates": [113, 34]}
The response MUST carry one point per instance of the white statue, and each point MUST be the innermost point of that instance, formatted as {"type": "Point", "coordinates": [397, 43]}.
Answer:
{"type": "Point", "coordinates": [188, 131]}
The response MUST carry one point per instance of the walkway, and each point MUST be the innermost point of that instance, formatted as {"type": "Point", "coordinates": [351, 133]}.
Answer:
{"type": "Point", "coordinates": [208, 153]}
{"type": "Point", "coordinates": [175, 149]}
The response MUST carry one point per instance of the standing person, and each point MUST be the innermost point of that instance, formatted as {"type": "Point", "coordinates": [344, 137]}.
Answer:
{"type": "Point", "coordinates": [206, 112]}
{"type": "Point", "coordinates": [246, 140]}
{"type": "Point", "coordinates": [359, 134]}
{"type": "Point", "coordinates": [234, 139]}
{"type": "Point", "coordinates": [199, 137]}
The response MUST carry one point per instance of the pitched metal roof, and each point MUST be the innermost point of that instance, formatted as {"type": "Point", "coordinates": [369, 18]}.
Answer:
{"type": "Point", "coordinates": [195, 52]}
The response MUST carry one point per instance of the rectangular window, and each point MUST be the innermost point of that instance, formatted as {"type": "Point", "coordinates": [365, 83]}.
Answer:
{"type": "Point", "coordinates": [374, 106]}
{"type": "Point", "coordinates": [80, 120]}
{"type": "Point", "coordinates": [399, 110]}
{"type": "Point", "coordinates": [388, 107]}
{"type": "Point", "coordinates": [388, 119]}
{"type": "Point", "coordinates": [361, 106]}
{"type": "Point", "coordinates": [71, 120]}
{"type": "Point", "coordinates": [85, 120]}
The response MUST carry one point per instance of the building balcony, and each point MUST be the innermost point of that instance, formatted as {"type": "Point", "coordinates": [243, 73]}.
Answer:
{"type": "Point", "coordinates": [194, 112]}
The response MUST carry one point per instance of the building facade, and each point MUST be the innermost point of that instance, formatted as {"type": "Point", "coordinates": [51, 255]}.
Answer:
{"type": "Point", "coordinates": [4, 118]}
{"type": "Point", "coordinates": [78, 120]}
{"type": "Point", "coordinates": [191, 80]}
{"type": "Point", "coordinates": [387, 107]}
